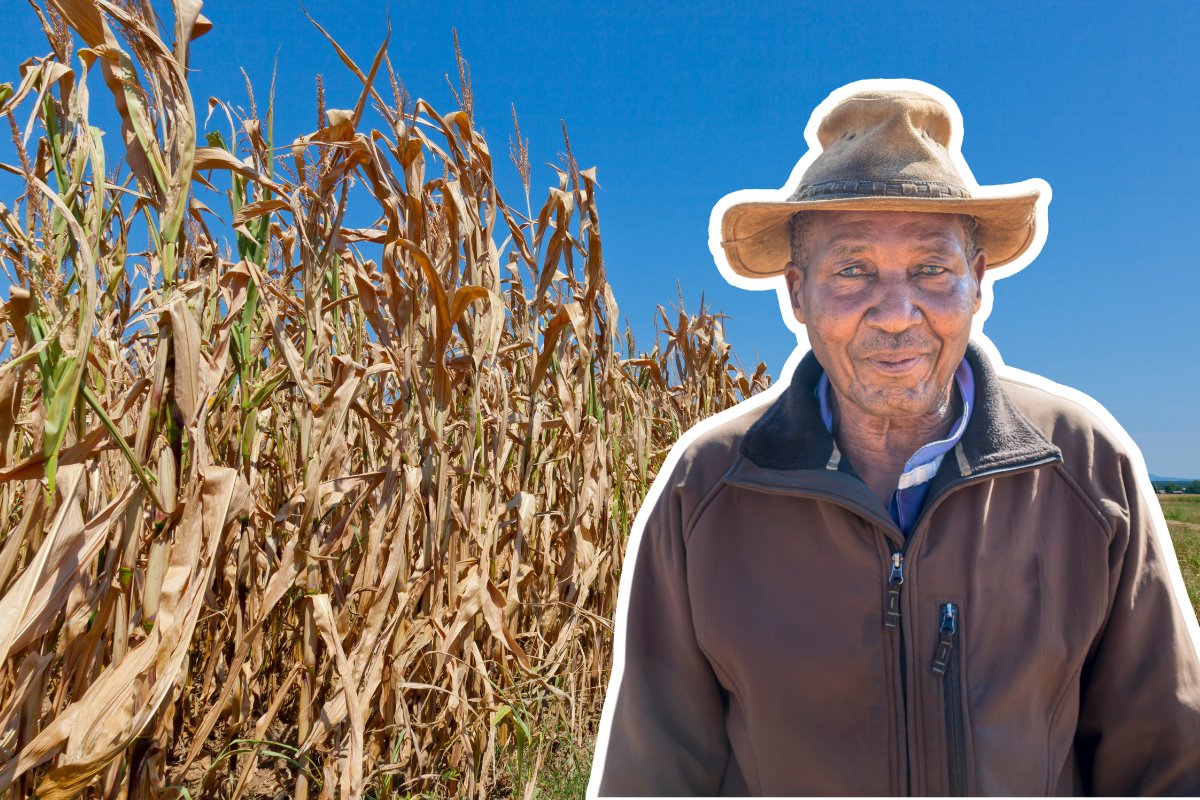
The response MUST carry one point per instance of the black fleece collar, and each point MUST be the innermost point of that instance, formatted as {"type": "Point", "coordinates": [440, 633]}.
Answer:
{"type": "Point", "coordinates": [791, 436]}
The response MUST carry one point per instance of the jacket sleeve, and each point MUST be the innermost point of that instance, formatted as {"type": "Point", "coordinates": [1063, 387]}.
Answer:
{"type": "Point", "coordinates": [1139, 724]}
{"type": "Point", "coordinates": [667, 734]}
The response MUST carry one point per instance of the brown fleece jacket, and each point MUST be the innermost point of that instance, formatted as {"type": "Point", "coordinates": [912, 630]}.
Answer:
{"type": "Point", "coordinates": [783, 637]}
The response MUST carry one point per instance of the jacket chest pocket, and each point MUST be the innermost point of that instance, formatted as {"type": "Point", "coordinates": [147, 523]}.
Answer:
{"type": "Point", "coordinates": [947, 671]}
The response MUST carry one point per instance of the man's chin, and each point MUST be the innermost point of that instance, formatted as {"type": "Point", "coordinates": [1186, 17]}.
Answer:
{"type": "Point", "coordinates": [897, 404]}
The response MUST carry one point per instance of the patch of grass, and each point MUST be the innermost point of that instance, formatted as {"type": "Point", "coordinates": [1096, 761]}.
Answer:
{"type": "Point", "coordinates": [565, 756]}
{"type": "Point", "coordinates": [1183, 520]}
{"type": "Point", "coordinates": [1181, 507]}
{"type": "Point", "coordinates": [567, 769]}
{"type": "Point", "coordinates": [1187, 548]}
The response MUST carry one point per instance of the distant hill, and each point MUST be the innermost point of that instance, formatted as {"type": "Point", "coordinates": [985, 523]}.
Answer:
{"type": "Point", "coordinates": [1175, 485]}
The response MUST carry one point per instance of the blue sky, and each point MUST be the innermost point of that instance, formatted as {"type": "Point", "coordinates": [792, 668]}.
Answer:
{"type": "Point", "coordinates": [677, 105]}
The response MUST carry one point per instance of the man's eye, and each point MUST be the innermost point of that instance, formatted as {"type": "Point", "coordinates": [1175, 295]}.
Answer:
{"type": "Point", "coordinates": [852, 271]}
{"type": "Point", "coordinates": [931, 269]}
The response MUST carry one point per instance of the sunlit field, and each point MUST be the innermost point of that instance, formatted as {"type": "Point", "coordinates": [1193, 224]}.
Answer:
{"type": "Point", "coordinates": [1183, 519]}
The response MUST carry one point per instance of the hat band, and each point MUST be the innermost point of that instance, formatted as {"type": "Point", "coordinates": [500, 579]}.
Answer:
{"type": "Point", "coordinates": [880, 189]}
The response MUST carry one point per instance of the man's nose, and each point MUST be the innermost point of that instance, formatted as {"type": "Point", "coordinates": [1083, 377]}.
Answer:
{"type": "Point", "coordinates": [893, 310]}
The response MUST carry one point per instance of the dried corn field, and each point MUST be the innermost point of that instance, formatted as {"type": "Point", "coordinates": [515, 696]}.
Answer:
{"type": "Point", "coordinates": [292, 507]}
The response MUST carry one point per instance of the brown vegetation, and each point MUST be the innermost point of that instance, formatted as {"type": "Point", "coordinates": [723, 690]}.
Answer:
{"type": "Point", "coordinates": [342, 512]}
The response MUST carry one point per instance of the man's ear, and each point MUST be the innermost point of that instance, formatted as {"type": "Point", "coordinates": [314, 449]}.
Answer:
{"type": "Point", "coordinates": [978, 266]}
{"type": "Point", "coordinates": [795, 283]}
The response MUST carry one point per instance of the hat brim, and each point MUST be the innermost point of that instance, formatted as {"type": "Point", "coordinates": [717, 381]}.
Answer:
{"type": "Point", "coordinates": [756, 236]}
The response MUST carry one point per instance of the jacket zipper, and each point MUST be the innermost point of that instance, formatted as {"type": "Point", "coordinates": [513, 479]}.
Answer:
{"type": "Point", "coordinates": [892, 619]}
{"type": "Point", "coordinates": [891, 614]}
{"type": "Point", "coordinates": [946, 667]}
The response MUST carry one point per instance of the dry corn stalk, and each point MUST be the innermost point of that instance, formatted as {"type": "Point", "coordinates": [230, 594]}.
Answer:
{"type": "Point", "coordinates": [340, 513]}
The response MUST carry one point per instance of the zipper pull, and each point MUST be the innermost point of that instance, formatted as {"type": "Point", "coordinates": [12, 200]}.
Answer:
{"type": "Point", "coordinates": [946, 634]}
{"type": "Point", "coordinates": [891, 615]}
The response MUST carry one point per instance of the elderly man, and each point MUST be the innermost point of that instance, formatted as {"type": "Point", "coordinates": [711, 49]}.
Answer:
{"type": "Point", "coordinates": [906, 574]}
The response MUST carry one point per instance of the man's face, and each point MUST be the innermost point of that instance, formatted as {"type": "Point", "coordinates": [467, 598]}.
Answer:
{"type": "Point", "coordinates": [887, 298]}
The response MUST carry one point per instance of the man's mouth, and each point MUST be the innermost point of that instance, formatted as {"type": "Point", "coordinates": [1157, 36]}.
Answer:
{"type": "Point", "coordinates": [896, 363]}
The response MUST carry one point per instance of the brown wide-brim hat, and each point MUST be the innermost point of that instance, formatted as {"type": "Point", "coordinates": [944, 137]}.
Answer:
{"type": "Point", "coordinates": [881, 151]}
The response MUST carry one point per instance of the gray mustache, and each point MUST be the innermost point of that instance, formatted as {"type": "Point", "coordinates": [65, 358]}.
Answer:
{"type": "Point", "coordinates": [891, 344]}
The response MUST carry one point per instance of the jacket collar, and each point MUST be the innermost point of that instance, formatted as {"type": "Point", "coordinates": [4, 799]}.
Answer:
{"type": "Point", "coordinates": [790, 435]}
